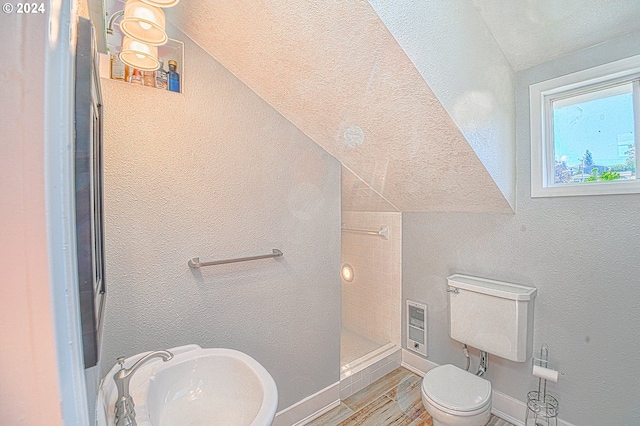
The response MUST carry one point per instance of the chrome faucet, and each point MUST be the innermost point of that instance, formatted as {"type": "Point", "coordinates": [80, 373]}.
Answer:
{"type": "Point", "coordinates": [125, 414]}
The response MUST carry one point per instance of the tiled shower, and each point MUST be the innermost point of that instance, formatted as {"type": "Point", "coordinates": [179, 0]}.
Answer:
{"type": "Point", "coordinates": [372, 302]}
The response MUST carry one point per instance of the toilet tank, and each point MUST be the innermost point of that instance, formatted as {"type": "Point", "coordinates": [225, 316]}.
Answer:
{"type": "Point", "coordinates": [493, 316]}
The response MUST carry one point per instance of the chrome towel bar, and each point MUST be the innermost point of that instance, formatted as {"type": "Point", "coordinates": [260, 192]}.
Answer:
{"type": "Point", "coordinates": [195, 262]}
{"type": "Point", "coordinates": [383, 232]}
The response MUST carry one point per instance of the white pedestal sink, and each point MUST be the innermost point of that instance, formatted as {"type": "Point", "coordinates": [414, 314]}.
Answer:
{"type": "Point", "coordinates": [198, 386]}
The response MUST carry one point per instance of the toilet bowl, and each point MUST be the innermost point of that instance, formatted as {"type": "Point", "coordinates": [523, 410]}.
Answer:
{"type": "Point", "coordinates": [454, 397]}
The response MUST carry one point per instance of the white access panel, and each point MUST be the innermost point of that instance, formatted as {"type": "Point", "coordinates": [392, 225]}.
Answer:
{"type": "Point", "coordinates": [417, 327]}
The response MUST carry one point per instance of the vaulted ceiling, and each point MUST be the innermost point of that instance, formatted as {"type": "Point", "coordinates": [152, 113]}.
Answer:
{"type": "Point", "coordinates": [335, 71]}
{"type": "Point", "coordinates": [416, 99]}
{"type": "Point", "coordinates": [534, 31]}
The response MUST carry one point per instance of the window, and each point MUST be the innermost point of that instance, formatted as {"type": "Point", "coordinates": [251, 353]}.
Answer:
{"type": "Point", "coordinates": [585, 130]}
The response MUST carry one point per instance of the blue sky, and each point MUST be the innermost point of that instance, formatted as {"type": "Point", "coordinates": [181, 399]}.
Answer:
{"type": "Point", "coordinates": [603, 126]}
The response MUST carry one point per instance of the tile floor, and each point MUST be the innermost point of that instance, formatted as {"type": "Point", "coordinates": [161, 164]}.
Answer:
{"type": "Point", "coordinates": [392, 400]}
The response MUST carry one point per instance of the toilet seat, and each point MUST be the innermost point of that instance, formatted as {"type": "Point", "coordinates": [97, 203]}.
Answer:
{"type": "Point", "coordinates": [455, 391]}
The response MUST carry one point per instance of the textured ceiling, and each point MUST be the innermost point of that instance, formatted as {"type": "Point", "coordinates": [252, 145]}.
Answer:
{"type": "Point", "coordinates": [451, 46]}
{"type": "Point", "coordinates": [357, 196]}
{"type": "Point", "coordinates": [333, 69]}
{"type": "Point", "coordinates": [534, 31]}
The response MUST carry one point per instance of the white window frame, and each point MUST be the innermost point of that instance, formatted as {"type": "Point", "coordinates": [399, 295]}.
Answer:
{"type": "Point", "coordinates": [541, 96]}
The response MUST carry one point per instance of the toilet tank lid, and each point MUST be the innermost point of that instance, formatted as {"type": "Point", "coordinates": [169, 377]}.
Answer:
{"type": "Point", "coordinates": [492, 287]}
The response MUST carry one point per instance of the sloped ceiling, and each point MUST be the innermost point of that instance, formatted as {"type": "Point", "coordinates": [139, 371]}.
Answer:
{"type": "Point", "coordinates": [455, 53]}
{"type": "Point", "coordinates": [357, 196]}
{"type": "Point", "coordinates": [534, 31]}
{"type": "Point", "coordinates": [333, 69]}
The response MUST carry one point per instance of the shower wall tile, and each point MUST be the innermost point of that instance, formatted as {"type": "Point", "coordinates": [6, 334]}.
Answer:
{"type": "Point", "coordinates": [372, 302]}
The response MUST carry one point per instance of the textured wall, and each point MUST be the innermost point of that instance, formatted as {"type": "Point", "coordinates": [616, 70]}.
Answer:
{"type": "Point", "coordinates": [371, 303]}
{"type": "Point", "coordinates": [334, 70]}
{"type": "Point", "coordinates": [580, 252]}
{"type": "Point", "coordinates": [454, 51]}
{"type": "Point", "coordinates": [217, 173]}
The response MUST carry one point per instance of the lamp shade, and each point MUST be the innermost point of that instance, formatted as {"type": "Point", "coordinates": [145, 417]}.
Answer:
{"type": "Point", "coordinates": [144, 22]}
{"type": "Point", "coordinates": [139, 55]}
{"type": "Point", "coordinates": [162, 3]}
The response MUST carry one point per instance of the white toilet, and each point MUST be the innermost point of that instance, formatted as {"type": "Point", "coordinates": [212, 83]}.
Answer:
{"type": "Point", "coordinates": [493, 316]}
{"type": "Point", "coordinates": [456, 397]}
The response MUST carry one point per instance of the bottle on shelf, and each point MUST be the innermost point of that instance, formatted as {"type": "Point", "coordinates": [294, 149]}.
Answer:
{"type": "Point", "coordinates": [128, 71]}
{"type": "Point", "coordinates": [117, 67]}
{"type": "Point", "coordinates": [136, 77]}
{"type": "Point", "coordinates": [148, 77]}
{"type": "Point", "coordinates": [174, 77]}
{"type": "Point", "coordinates": [161, 77]}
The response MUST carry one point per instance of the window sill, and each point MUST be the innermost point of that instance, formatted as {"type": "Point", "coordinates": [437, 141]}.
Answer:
{"type": "Point", "coordinates": [588, 188]}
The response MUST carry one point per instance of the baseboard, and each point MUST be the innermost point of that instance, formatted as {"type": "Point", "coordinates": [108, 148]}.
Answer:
{"type": "Point", "coordinates": [353, 377]}
{"type": "Point", "coordinates": [503, 406]}
{"type": "Point", "coordinates": [309, 408]}
{"type": "Point", "coordinates": [508, 408]}
{"type": "Point", "coordinates": [416, 363]}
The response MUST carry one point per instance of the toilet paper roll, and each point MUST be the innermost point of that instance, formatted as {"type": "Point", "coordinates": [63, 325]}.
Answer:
{"type": "Point", "coordinates": [545, 373]}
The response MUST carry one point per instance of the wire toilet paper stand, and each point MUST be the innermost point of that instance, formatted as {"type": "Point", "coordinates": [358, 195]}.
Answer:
{"type": "Point", "coordinates": [542, 408]}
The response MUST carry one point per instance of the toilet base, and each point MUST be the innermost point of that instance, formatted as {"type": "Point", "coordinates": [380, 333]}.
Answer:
{"type": "Point", "coordinates": [441, 418]}
{"type": "Point", "coordinates": [437, 423]}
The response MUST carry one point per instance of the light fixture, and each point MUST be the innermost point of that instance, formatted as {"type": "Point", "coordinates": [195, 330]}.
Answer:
{"type": "Point", "coordinates": [161, 3]}
{"type": "Point", "coordinates": [144, 22]}
{"type": "Point", "coordinates": [347, 272]}
{"type": "Point", "coordinates": [139, 55]}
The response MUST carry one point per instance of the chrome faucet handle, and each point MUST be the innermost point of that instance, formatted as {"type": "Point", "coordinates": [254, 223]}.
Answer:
{"type": "Point", "coordinates": [125, 414]}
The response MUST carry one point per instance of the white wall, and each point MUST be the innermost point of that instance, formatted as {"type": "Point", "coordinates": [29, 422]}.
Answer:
{"type": "Point", "coordinates": [29, 370]}
{"type": "Point", "coordinates": [372, 302]}
{"type": "Point", "coordinates": [456, 54]}
{"type": "Point", "coordinates": [580, 252]}
{"type": "Point", "coordinates": [217, 173]}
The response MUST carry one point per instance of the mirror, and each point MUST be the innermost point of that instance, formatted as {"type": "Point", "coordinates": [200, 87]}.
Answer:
{"type": "Point", "coordinates": [88, 191]}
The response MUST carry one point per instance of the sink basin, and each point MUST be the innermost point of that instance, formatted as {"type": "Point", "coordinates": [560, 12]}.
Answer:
{"type": "Point", "coordinates": [211, 386]}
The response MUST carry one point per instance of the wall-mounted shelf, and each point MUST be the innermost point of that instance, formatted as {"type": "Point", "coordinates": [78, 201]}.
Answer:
{"type": "Point", "coordinates": [172, 50]}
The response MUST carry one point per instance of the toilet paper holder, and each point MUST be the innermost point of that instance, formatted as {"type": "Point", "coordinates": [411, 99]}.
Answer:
{"type": "Point", "coordinates": [542, 408]}
{"type": "Point", "coordinates": [541, 365]}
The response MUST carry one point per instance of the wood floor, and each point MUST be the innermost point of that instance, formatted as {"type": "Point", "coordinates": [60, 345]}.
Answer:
{"type": "Point", "coordinates": [392, 400]}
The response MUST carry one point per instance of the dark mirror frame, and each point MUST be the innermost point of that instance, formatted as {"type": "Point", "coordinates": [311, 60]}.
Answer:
{"type": "Point", "coordinates": [88, 191]}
